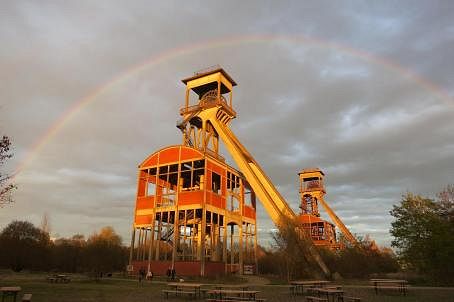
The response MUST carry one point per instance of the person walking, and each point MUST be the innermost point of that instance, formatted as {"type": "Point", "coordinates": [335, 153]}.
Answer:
{"type": "Point", "coordinates": [141, 274]}
{"type": "Point", "coordinates": [150, 276]}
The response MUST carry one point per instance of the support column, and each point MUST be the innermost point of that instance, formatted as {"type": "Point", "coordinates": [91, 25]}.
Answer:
{"type": "Point", "coordinates": [232, 254]}
{"type": "Point", "coordinates": [246, 243]}
{"type": "Point", "coordinates": [176, 231]}
{"type": "Point", "coordinates": [202, 242]}
{"type": "Point", "coordinates": [158, 237]}
{"type": "Point", "coordinates": [144, 249]}
{"type": "Point", "coordinates": [133, 238]}
{"type": "Point", "coordinates": [152, 233]}
{"type": "Point", "coordinates": [240, 247]}
{"type": "Point", "coordinates": [139, 242]}
{"type": "Point", "coordinates": [255, 248]}
{"type": "Point", "coordinates": [224, 243]}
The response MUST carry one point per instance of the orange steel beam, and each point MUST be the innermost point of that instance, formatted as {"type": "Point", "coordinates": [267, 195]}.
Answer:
{"type": "Point", "coordinates": [349, 236]}
{"type": "Point", "coordinates": [272, 200]}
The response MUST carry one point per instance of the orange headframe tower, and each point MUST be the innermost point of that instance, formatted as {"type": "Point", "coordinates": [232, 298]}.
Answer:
{"type": "Point", "coordinates": [195, 213]}
{"type": "Point", "coordinates": [312, 192]}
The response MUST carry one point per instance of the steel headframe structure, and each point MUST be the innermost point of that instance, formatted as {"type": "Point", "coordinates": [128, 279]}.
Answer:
{"type": "Point", "coordinates": [196, 213]}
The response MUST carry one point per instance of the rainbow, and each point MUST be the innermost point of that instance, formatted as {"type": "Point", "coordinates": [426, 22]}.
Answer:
{"type": "Point", "coordinates": [212, 44]}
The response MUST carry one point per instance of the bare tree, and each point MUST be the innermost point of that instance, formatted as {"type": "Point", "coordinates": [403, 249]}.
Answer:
{"type": "Point", "coordinates": [6, 187]}
{"type": "Point", "coordinates": [45, 223]}
{"type": "Point", "coordinates": [293, 247]}
{"type": "Point", "coordinates": [446, 202]}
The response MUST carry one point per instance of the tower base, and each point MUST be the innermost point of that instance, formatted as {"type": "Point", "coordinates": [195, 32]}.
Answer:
{"type": "Point", "coordinates": [183, 268]}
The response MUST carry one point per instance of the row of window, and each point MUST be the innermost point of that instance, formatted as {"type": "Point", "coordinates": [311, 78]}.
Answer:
{"type": "Point", "coordinates": [191, 178]}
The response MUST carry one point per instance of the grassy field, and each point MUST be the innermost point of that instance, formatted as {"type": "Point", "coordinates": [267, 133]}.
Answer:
{"type": "Point", "coordinates": [121, 289]}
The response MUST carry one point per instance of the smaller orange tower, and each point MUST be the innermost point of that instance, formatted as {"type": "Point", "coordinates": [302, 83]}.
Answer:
{"type": "Point", "coordinates": [312, 190]}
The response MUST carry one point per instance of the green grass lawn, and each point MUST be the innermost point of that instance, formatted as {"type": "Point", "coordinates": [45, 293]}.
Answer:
{"type": "Point", "coordinates": [120, 289]}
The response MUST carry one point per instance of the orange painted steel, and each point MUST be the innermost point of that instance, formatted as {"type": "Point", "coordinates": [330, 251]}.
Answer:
{"type": "Point", "coordinates": [190, 200]}
{"type": "Point", "coordinates": [185, 189]}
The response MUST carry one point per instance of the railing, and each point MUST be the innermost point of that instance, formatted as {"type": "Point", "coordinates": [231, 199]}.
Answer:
{"type": "Point", "coordinates": [313, 185]}
{"type": "Point", "coordinates": [206, 105]}
{"type": "Point", "coordinates": [189, 109]}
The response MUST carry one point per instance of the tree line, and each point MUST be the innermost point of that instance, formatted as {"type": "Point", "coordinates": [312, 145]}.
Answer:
{"type": "Point", "coordinates": [423, 232]}
{"type": "Point", "coordinates": [287, 257]}
{"type": "Point", "coordinates": [25, 246]}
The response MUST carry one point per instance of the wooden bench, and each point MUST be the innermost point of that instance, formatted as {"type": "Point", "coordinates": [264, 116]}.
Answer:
{"type": "Point", "coordinates": [379, 284]}
{"type": "Point", "coordinates": [333, 287]}
{"type": "Point", "coordinates": [313, 290]}
{"type": "Point", "coordinates": [166, 292]}
{"type": "Point", "coordinates": [58, 278]}
{"type": "Point", "coordinates": [65, 279]}
{"type": "Point", "coordinates": [26, 297]}
{"type": "Point", "coordinates": [312, 299]}
{"type": "Point", "coordinates": [353, 299]}
{"type": "Point", "coordinates": [204, 291]}
{"type": "Point", "coordinates": [236, 299]}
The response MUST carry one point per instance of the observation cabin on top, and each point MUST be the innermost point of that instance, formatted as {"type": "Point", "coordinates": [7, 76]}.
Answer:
{"type": "Point", "coordinates": [213, 87]}
{"type": "Point", "coordinates": [195, 213]}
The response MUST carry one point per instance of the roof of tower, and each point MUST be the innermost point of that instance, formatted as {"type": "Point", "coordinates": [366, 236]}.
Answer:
{"type": "Point", "coordinates": [208, 71]}
{"type": "Point", "coordinates": [311, 170]}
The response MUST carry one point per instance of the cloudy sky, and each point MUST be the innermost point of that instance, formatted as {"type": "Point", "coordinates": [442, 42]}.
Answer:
{"type": "Point", "coordinates": [362, 89]}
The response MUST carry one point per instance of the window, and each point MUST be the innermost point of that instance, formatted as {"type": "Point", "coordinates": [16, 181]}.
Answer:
{"type": "Point", "coordinates": [216, 183]}
{"type": "Point", "coordinates": [233, 190]}
{"type": "Point", "coordinates": [151, 189]}
{"type": "Point", "coordinates": [151, 182]}
{"type": "Point", "coordinates": [192, 174]}
{"type": "Point", "coordinates": [168, 179]}
{"type": "Point", "coordinates": [233, 182]}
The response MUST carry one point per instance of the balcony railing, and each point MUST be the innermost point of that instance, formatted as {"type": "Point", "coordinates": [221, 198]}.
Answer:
{"type": "Point", "coordinates": [205, 105]}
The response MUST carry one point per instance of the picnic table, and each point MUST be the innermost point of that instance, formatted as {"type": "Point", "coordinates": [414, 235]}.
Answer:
{"type": "Point", "coordinates": [183, 288]}
{"type": "Point", "coordinates": [58, 278]}
{"type": "Point", "coordinates": [297, 286]}
{"type": "Point", "coordinates": [232, 286]}
{"type": "Point", "coordinates": [9, 291]}
{"type": "Point", "coordinates": [400, 285]}
{"type": "Point", "coordinates": [331, 294]}
{"type": "Point", "coordinates": [233, 294]}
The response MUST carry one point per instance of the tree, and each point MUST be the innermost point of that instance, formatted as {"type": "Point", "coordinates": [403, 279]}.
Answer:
{"type": "Point", "coordinates": [361, 260]}
{"type": "Point", "coordinates": [22, 245]}
{"type": "Point", "coordinates": [292, 251]}
{"type": "Point", "coordinates": [104, 252]}
{"type": "Point", "coordinates": [446, 202]}
{"type": "Point", "coordinates": [45, 223]}
{"type": "Point", "coordinates": [353, 261]}
{"type": "Point", "coordinates": [6, 187]}
{"type": "Point", "coordinates": [422, 233]}
{"type": "Point", "coordinates": [68, 254]}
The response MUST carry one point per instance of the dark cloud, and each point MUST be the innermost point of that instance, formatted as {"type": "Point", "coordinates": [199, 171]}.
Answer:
{"type": "Point", "coordinates": [376, 130]}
